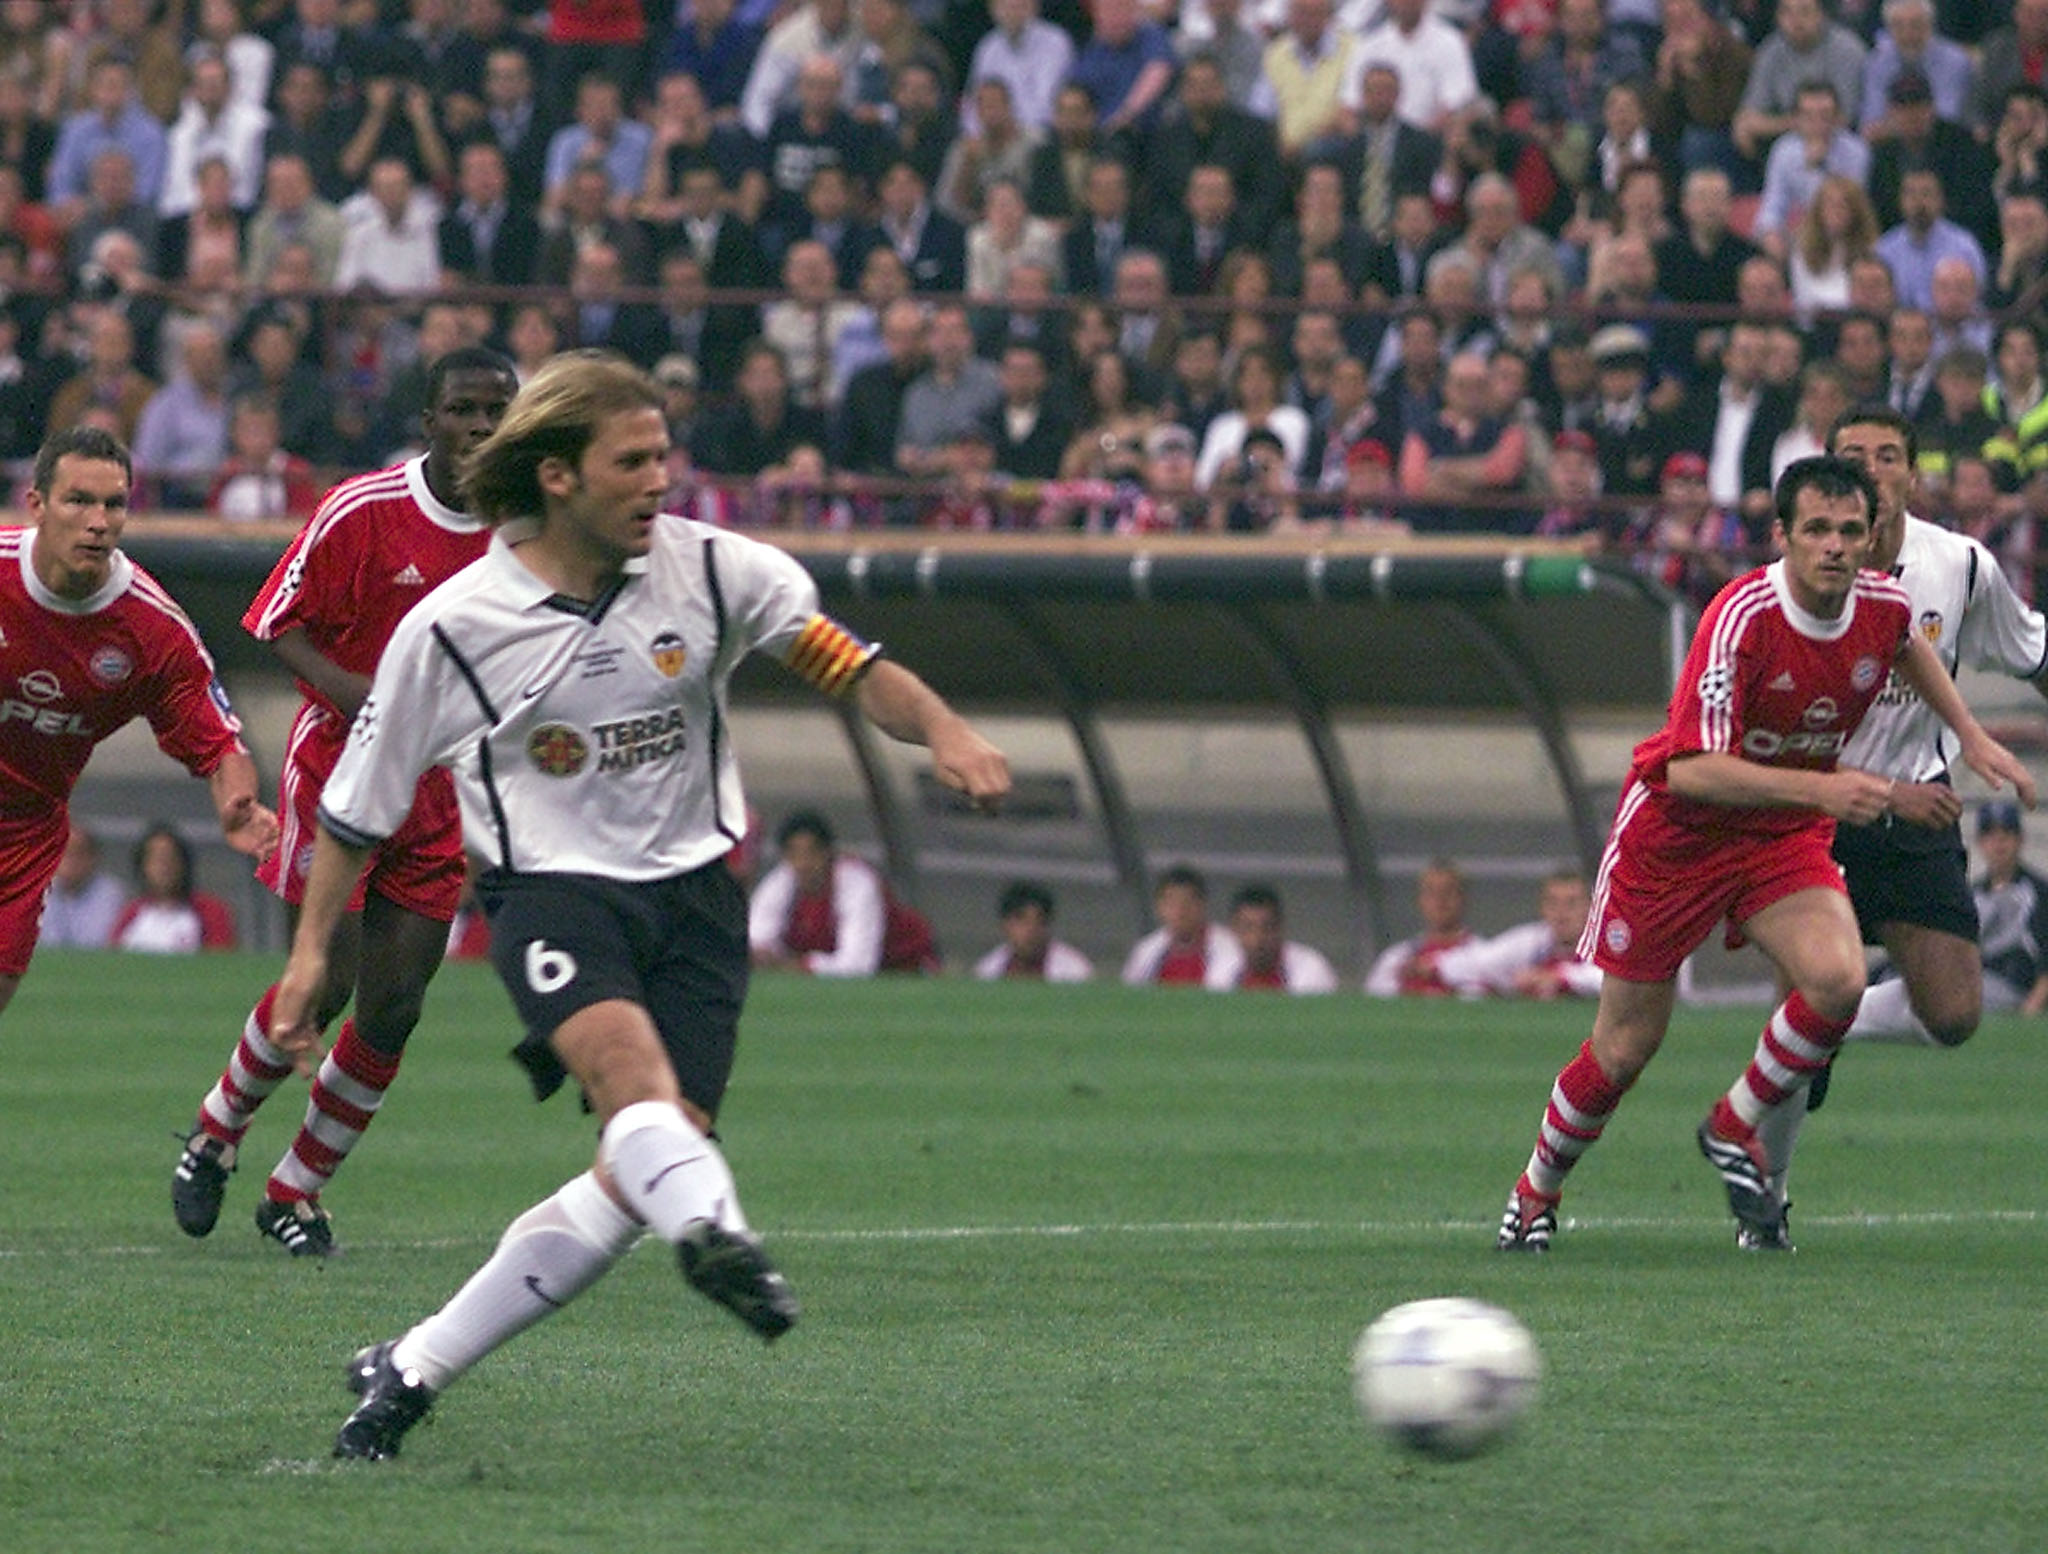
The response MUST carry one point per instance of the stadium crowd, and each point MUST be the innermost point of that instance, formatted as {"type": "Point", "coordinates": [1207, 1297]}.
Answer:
{"type": "Point", "coordinates": [1560, 267]}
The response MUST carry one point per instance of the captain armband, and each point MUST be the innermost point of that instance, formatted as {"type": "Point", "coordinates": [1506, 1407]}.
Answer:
{"type": "Point", "coordinates": [829, 656]}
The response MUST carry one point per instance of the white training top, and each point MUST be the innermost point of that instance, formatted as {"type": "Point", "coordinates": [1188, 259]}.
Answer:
{"type": "Point", "coordinates": [1964, 605]}
{"type": "Point", "coordinates": [860, 911]}
{"type": "Point", "coordinates": [583, 738]}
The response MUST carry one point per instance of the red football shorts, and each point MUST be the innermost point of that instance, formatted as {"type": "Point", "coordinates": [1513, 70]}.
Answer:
{"type": "Point", "coordinates": [1663, 887]}
{"type": "Point", "coordinates": [418, 867]}
{"type": "Point", "coordinates": [31, 847]}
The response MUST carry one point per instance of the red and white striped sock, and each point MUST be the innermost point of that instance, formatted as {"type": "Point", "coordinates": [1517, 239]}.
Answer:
{"type": "Point", "coordinates": [1796, 1044]}
{"type": "Point", "coordinates": [256, 1069]}
{"type": "Point", "coordinates": [346, 1094]}
{"type": "Point", "coordinates": [1580, 1103]}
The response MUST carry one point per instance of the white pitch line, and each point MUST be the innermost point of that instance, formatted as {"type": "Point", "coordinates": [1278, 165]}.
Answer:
{"type": "Point", "coordinates": [1224, 1227]}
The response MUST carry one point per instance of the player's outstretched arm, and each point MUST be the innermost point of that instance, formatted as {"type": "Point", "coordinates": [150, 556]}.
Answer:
{"type": "Point", "coordinates": [1985, 756]}
{"type": "Point", "coordinates": [904, 707]}
{"type": "Point", "coordinates": [247, 825]}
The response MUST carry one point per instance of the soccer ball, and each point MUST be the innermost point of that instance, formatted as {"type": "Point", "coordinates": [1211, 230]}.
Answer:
{"type": "Point", "coordinates": [1445, 1377]}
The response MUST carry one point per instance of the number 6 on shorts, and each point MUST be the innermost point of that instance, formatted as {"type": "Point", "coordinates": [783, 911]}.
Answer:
{"type": "Point", "coordinates": [548, 970]}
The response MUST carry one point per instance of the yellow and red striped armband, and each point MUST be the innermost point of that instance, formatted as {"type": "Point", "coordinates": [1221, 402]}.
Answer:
{"type": "Point", "coordinates": [829, 656]}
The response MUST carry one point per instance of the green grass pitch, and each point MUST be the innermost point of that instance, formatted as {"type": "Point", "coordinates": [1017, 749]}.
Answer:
{"type": "Point", "coordinates": [1081, 1270]}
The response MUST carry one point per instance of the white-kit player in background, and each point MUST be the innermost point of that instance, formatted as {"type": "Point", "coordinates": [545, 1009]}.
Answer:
{"type": "Point", "coordinates": [1908, 874]}
{"type": "Point", "coordinates": [573, 681]}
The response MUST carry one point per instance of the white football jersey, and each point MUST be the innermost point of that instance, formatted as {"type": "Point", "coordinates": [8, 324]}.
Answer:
{"type": "Point", "coordinates": [1964, 606]}
{"type": "Point", "coordinates": [588, 739]}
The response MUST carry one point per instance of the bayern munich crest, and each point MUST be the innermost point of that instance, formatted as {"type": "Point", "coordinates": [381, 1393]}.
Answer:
{"type": "Point", "coordinates": [557, 750]}
{"type": "Point", "coordinates": [109, 665]}
{"type": "Point", "coordinates": [1865, 674]}
{"type": "Point", "coordinates": [1617, 936]}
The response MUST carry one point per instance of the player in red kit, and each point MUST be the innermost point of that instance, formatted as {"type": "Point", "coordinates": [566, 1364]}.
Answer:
{"type": "Point", "coordinates": [378, 545]}
{"type": "Point", "coordinates": [88, 640]}
{"type": "Point", "coordinates": [1728, 813]}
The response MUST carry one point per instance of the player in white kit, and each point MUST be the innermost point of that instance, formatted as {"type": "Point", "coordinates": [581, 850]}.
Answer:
{"type": "Point", "coordinates": [1908, 873]}
{"type": "Point", "coordinates": [573, 681]}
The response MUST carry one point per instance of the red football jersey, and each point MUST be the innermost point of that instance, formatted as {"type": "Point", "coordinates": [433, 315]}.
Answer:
{"type": "Point", "coordinates": [73, 671]}
{"type": "Point", "coordinates": [1770, 682]}
{"type": "Point", "coordinates": [379, 544]}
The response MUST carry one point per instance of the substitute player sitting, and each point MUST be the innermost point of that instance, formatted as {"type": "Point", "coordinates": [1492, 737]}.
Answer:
{"type": "Point", "coordinates": [379, 544]}
{"type": "Point", "coordinates": [88, 640]}
{"type": "Point", "coordinates": [1728, 813]}
{"type": "Point", "coordinates": [574, 683]}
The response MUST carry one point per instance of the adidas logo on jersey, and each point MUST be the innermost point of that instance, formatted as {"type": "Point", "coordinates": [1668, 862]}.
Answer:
{"type": "Point", "coordinates": [410, 576]}
{"type": "Point", "coordinates": [1784, 682]}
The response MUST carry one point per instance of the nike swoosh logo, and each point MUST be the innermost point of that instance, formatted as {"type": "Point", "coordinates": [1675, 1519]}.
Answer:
{"type": "Point", "coordinates": [656, 1180]}
{"type": "Point", "coordinates": [541, 1295]}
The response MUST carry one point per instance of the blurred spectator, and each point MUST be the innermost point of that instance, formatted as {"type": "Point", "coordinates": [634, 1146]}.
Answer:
{"type": "Point", "coordinates": [1623, 421]}
{"type": "Point", "coordinates": [597, 319]}
{"type": "Point", "coordinates": [601, 134]}
{"type": "Point", "coordinates": [111, 204]}
{"type": "Point", "coordinates": [715, 49]}
{"type": "Point", "coordinates": [84, 901]}
{"type": "Point", "coordinates": [2022, 254]}
{"type": "Point", "coordinates": [1909, 379]}
{"type": "Point", "coordinates": [212, 124]}
{"type": "Point", "coordinates": [1572, 490]}
{"type": "Point", "coordinates": [1257, 492]}
{"type": "Point", "coordinates": [181, 437]}
{"type": "Point", "coordinates": [586, 217]}
{"type": "Point", "coordinates": [114, 119]}
{"type": "Point", "coordinates": [689, 148]}
{"type": "Point", "coordinates": [515, 123]}
{"type": "Point", "coordinates": [1308, 71]}
{"type": "Point", "coordinates": [1385, 158]}
{"type": "Point", "coordinates": [822, 911]}
{"type": "Point", "coordinates": [1467, 453]}
{"type": "Point", "coordinates": [956, 392]}
{"type": "Point", "coordinates": [726, 246]}
{"type": "Point", "coordinates": [1095, 243]}
{"type": "Point", "coordinates": [1699, 262]}
{"type": "Point", "coordinates": [1955, 310]}
{"type": "Point", "coordinates": [2012, 904]}
{"type": "Point", "coordinates": [712, 335]}
{"type": "Point", "coordinates": [931, 244]}
{"type": "Point", "coordinates": [1411, 393]}
{"type": "Point", "coordinates": [1476, 142]}
{"type": "Point", "coordinates": [1953, 423]}
{"type": "Point", "coordinates": [318, 36]}
{"type": "Point", "coordinates": [858, 344]}
{"type": "Point", "coordinates": [1908, 50]}
{"type": "Point", "coordinates": [1430, 56]}
{"type": "Point", "coordinates": [1806, 47]}
{"type": "Point", "coordinates": [292, 212]}
{"type": "Point", "coordinates": [679, 381]}
{"type": "Point", "coordinates": [1567, 80]}
{"type": "Point", "coordinates": [2020, 144]}
{"type": "Point", "coordinates": [1700, 74]}
{"type": "Point", "coordinates": [258, 479]}
{"type": "Point", "coordinates": [396, 124]}
{"type": "Point", "coordinates": [269, 364]}
{"type": "Point", "coordinates": [1320, 229]}
{"type": "Point", "coordinates": [1923, 238]}
{"type": "Point", "coordinates": [1029, 55]}
{"type": "Point", "coordinates": [1007, 235]}
{"type": "Point", "coordinates": [816, 133]}
{"type": "Point", "coordinates": [1000, 150]}
{"type": "Point", "coordinates": [1208, 228]}
{"type": "Point", "coordinates": [36, 55]}
{"type": "Point", "coordinates": [1028, 434]}
{"type": "Point", "coordinates": [26, 140]}
{"type": "Point", "coordinates": [1186, 950]}
{"type": "Point", "coordinates": [760, 429]}
{"type": "Point", "coordinates": [390, 243]}
{"type": "Point", "coordinates": [1237, 42]}
{"type": "Point", "coordinates": [805, 324]}
{"type": "Point", "coordinates": [485, 239]}
{"type": "Point", "coordinates": [531, 338]}
{"type": "Point", "coordinates": [1685, 542]}
{"type": "Point", "coordinates": [1918, 139]}
{"type": "Point", "coordinates": [1255, 384]}
{"type": "Point", "coordinates": [167, 916]}
{"type": "Point", "coordinates": [918, 123]}
{"type": "Point", "coordinates": [1271, 961]}
{"type": "Point", "coordinates": [1536, 960]}
{"type": "Point", "coordinates": [1029, 952]}
{"type": "Point", "coordinates": [1823, 397]}
{"type": "Point", "coordinates": [1148, 327]}
{"type": "Point", "coordinates": [594, 37]}
{"type": "Point", "coordinates": [309, 124]}
{"type": "Point", "coordinates": [1201, 127]}
{"type": "Point", "coordinates": [1498, 242]}
{"type": "Point", "coordinates": [249, 56]}
{"type": "Point", "coordinates": [208, 238]}
{"type": "Point", "coordinates": [1408, 968]}
{"type": "Point", "coordinates": [2007, 58]}
{"type": "Point", "coordinates": [2017, 398]}
{"type": "Point", "coordinates": [1195, 391]}
{"type": "Point", "coordinates": [1057, 186]}
{"type": "Point", "coordinates": [109, 380]}
{"type": "Point", "coordinates": [1861, 353]}
{"type": "Point", "coordinates": [1126, 67]}
{"type": "Point", "coordinates": [1815, 147]}
{"type": "Point", "coordinates": [774, 86]}
{"type": "Point", "coordinates": [1837, 228]}
{"type": "Point", "coordinates": [1109, 442]}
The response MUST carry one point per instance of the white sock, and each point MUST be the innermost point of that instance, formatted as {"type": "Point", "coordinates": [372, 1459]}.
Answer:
{"type": "Point", "coordinates": [1778, 1131]}
{"type": "Point", "coordinates": [1886, 1014]}
{"type": "Point", "coordinates": [670, 1174]}
{"type": "Point", "coordinates": [547, 1257]}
